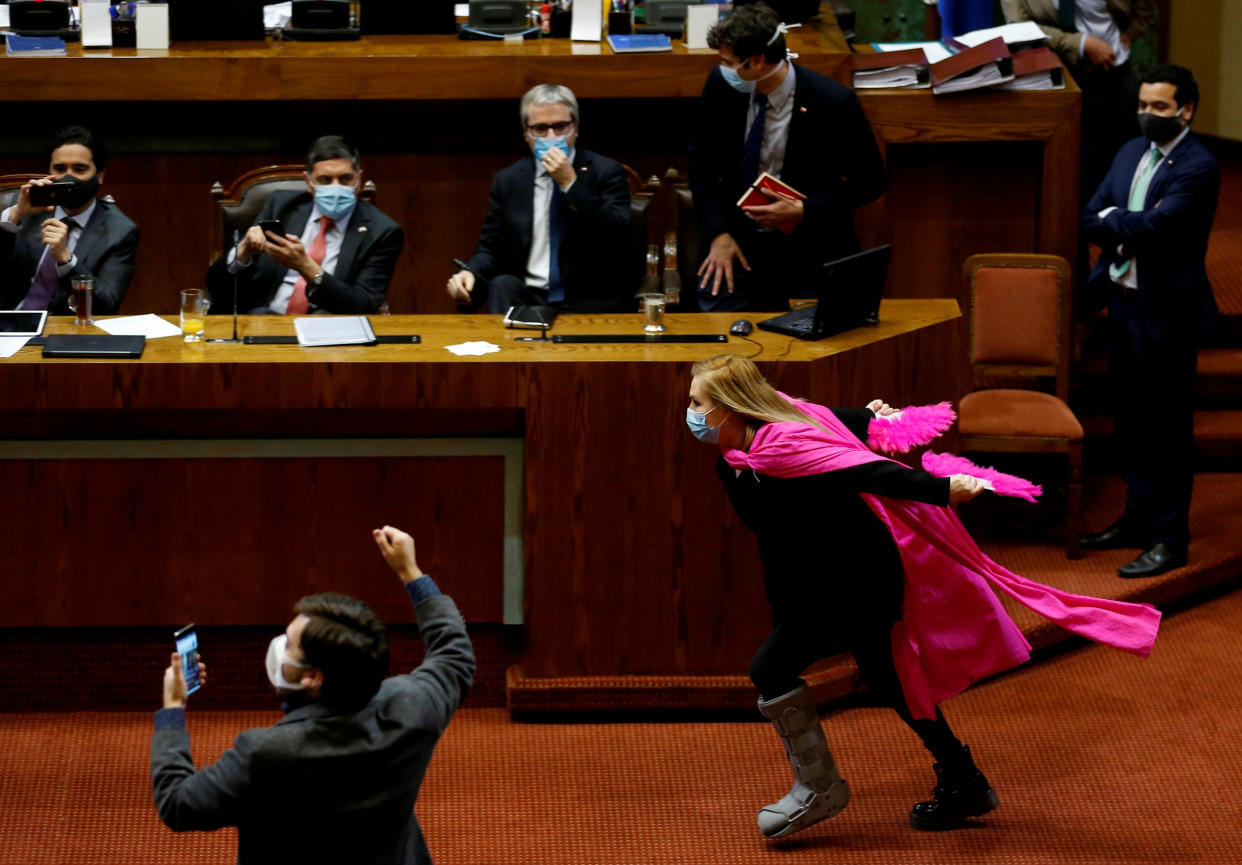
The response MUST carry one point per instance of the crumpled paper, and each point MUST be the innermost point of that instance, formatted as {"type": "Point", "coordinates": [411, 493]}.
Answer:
{"type": "Point", "coordinates": [477, 347]}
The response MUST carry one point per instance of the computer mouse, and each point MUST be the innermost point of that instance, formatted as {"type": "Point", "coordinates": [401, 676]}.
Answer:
{"type": "Point", "coordinates": [741, 327]}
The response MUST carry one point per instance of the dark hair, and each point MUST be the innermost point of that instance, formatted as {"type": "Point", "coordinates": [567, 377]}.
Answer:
{"type": "Point", "coordinates": [746, 33]}
{"type": "Point", "coordinates": [1186, 90]}
{"type": "Point", "coordinates": [79, 135]}
{"type": "Point", "coordinates": [331, 147]}
{"type": "Point", "coordinates": [347, 642]}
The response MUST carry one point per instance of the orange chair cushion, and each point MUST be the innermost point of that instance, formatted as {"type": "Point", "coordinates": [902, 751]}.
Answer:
{"type": "Point", "coordinates": [1015, 315]}
{"type": "Point", "coordinates": [1017, 413]}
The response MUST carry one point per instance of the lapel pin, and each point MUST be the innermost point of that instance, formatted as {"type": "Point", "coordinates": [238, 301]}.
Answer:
{"type": "Point", "coordinates": [802, 109]}
{"type": "Point", "coordinates": [362, 229]}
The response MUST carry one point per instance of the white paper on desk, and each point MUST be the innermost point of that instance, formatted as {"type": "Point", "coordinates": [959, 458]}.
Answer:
{"type": "Point", "coordinates": [150, 325]}
{"type": "Point", "coordinates": [477, 347]}
{"type": "Point", "coordinates": [4, 16]}
{"type": "Point", "coordinates": [1013, 34]}
{"type": "Point", "coordinates": [588, 21]}
{"type": "Point", "coordinates": [934, 51]}
{"type": "Point", "coordinates": [11, 345]}
{"type": "Point", "coordinates": [460, 10]}
{"type": "Point", "coordinates": [96, 24]}
{"type": "Point", "coordinates": [277, 15]}
{"type": "Point", "coordinates": [152, 26]}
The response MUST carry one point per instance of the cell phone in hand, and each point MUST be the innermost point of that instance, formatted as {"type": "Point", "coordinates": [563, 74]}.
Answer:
{"type": "Point", "coordinates": [187, 646]}
{"type": "Point", "coordinates": [50, 194]}
{"type": "Point", "coordinates": [272, 225]}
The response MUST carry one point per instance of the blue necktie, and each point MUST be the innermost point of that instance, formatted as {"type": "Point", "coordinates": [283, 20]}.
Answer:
{"type": "Point", "coordinates": [46, 279]}
{"type": "Point", "coordinates": [556, 232]}
{"type": "Point", "coordinates": [754, 140]}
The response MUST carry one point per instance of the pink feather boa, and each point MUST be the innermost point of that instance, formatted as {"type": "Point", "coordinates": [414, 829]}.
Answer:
{"type": "Point", "coordinates": [912, 427]}
{"type": "Point", "coordinates": [943, 465]}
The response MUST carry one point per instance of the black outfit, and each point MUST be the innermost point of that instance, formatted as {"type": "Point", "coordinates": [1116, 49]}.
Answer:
{"type": "Point", "coordinates": [831, 157]}
{"type": "Point", "coordinates": [1155, 330]}
{"type": "Point", "coordinates": [593, 250]}
{"type": "Point", "coordinates": [833, 574]}
{"type": "Point", "coordinates": [322, 784]}
{"type": "Point", "coordinates": [364, 268]}
{"type": "Point", "coordinates": [105, 250]}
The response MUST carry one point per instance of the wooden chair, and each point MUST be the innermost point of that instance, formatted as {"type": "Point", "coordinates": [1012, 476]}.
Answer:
{"type": "Point", "coordinates": [11, 184]}
{"type": "Point", "coordinates": [240, 203]}
{"type": "Point", "coordinates": [646, 252]}
{"type": "Point", "coordinates": [1020, 321]}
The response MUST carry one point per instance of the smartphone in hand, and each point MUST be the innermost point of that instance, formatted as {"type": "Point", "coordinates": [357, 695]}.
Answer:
{"type": "Point", "coordinates": [50, 194]}
{"type": "Point", "coordinates": [272, 225]}
{"type": "Point", "coordinates": [187, 646]}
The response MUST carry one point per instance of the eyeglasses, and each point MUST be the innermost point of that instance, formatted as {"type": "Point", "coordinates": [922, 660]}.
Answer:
{"type": "Point", "coordinates": [542, 129]}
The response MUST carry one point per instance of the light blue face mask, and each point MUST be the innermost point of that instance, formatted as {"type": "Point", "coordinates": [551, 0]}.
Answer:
{"type": "Point", "coordinates": [543, 145]}
{"type": "Point", "coordinates": [334, 201]}
{"type": "Point", "coordinates": [734, 79]}
{"type": "Point", "coordinates": [697, 421]}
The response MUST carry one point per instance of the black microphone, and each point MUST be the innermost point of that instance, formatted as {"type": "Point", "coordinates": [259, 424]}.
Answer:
{"type": "Point", "coordinates": [236, 240]}
{"type": "Point", "coordinates": [543, 323]}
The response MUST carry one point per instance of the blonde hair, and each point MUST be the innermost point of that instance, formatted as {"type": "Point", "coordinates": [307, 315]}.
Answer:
{"type": "Point", "coordinates": [734, 382]}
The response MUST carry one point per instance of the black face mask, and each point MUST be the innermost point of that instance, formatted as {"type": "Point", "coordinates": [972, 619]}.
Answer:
{"type": "Point", "coordinates": [83, 191]}
{"type": "Point", "coordinates": [1158, 128]}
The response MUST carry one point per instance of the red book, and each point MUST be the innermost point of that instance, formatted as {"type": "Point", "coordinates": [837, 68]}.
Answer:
{"type": "Point", "coordinates": [754, 198]}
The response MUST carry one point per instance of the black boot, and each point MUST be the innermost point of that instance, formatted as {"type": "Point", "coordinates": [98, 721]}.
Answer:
{"type": "Point", "coordinates": [961, 792]}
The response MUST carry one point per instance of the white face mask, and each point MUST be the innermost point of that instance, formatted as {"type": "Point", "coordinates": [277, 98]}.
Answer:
{"type": "Point", "coordinates": [277, 656]}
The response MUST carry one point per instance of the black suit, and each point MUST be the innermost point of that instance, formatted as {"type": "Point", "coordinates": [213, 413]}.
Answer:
{"type": "Point", "coordinates": [369, 252]}
{"type": "Point", "coordinates": [831, 157]}
{"type": "Point", "coordinates": [596, 242]}
{"type": "Point", "coordinates": [105, 251]}
{"type": "Point", "coordinates": [1155, 329]}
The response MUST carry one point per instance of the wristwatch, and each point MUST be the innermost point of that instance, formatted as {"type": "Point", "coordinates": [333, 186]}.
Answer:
{"type": "Point", "coordinates": [317, 279]}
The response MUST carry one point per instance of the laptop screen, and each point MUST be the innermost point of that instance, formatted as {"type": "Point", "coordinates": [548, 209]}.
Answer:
{"type": "Point", "coordinates": [850, 293]}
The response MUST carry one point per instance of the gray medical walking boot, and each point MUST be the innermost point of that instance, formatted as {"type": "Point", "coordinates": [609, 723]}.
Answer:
{"type": "Point", "coordinates": [819, 791]}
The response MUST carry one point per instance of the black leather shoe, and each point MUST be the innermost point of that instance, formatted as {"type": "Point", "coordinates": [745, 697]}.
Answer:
{"type": "Point", "coordinates": [1115, 537]}
{"type": "Point", "coordinates": [1160, 558]}
{"type": "Point", "coordinates": [959, 794]}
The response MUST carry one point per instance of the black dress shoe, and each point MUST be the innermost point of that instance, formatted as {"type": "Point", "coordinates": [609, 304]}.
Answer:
{"type": "Point", "coordinates": [961, 793]}
{"type": "Point", "coordinates": [1115, 537]}
{"type": "Point", "coordinates": [1160, 558]}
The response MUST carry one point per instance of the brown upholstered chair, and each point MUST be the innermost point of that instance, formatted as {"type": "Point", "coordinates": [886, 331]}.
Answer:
{"type": "Point", "coordinates": [1020, 320]}
{"type": "Point", "coordinates": [241, 202]}
{"type": "Point", "coordinates": [11, 184]}
{"type": "Point", "coordinates": [646, 252]}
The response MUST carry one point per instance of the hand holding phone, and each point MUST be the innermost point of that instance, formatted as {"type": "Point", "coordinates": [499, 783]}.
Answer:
{"type": "Point", "coordinates": [272, 225]}
{"type": "Point", "coordinates": [49, 194]}
{"type": "Point", "coordinates": [186, 640]}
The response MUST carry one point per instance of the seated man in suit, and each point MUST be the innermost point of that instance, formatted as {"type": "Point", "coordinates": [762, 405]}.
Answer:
{"type": "Point", "coordinates": [336, 254]}
{"type": "Point", "coordinates": [557, 228]}
{"type": "Point", "coordinates": [1151, 218]}
{"type": "Point", "coordinates": [760, 113]}
{"type": "Point", "coordinates": [336, 779]}
{"type": "Point", "coordinates": [42, 248]}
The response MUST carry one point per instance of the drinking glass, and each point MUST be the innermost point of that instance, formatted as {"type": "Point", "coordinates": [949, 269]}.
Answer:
{"type": "Point", "coordinates": [80, 298]}
{"type": "Point", "coordinates": [194, 305]}
{"type": "Point", "coordinates": [653, 306]}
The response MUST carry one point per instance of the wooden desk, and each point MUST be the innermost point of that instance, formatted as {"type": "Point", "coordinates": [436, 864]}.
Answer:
{"type": "Point", "coordinates": [435, 118]}
{"type": "Point", "coordinates": [218, 483]}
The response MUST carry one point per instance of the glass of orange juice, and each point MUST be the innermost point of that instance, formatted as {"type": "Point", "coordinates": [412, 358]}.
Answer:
{"type": "Point", "coordinates": [193, 313]}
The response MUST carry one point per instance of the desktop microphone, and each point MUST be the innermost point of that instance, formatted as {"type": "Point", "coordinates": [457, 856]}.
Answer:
{"type": "Point", "coordinates": [543, 323]}
{"type": "Point", "coordinates": [236, 240]}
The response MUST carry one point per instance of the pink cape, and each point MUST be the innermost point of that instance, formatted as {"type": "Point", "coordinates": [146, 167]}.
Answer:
{"type": "Point", "coordinates": [953, 629]}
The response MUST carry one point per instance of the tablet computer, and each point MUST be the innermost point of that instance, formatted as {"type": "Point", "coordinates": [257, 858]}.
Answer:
{"type": "Point", "coordinates": [22, 322]}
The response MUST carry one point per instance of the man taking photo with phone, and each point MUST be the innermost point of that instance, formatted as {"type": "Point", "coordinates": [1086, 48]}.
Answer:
{"type": "Point", "coordinates": [336, 779]}
{"type": "Point", "coordinates": [57, 230]}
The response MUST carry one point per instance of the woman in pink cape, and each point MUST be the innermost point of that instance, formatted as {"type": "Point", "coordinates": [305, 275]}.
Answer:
{"type": "Point", "coordinates": [861, 554]}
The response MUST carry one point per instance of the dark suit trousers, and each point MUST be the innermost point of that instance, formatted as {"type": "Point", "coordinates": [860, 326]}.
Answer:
{"type": "Point", "coordinates": [779, 271]}
{"type": "Point", "coordinates": [1153, 385]}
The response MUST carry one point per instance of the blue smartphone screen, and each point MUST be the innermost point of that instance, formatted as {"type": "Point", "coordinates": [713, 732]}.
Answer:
{"type": "Point", "coordinates": [187, 647]}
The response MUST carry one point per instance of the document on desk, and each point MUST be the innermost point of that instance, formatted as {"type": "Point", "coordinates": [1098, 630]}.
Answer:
{"type": "Point", "coordinates": [473, 349]}
{"type": "Point", "coordinates": [11, 345]}
{"type": "Point", "coordinates": [587, 22]}
{"type": "Point", "coordinates": [333, 330]}
{"type": "Point", "coordinates": [150, 325]}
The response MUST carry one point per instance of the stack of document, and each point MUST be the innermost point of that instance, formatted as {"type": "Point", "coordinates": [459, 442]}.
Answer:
{"type": "Point", "coordinates": [908, 68]}
{"type": "Point", "coordinates": [1036, 69]}
{"type": "Point", "coordinates": [333, 330]}
{"type": "Point", "coordinates": [982, 66]}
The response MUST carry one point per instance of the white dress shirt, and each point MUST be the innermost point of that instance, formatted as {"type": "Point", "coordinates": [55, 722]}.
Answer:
{"type": "Point", "coordinates": [331, 254]}
{"type": "Point", "coordinates": [775, 123]}
{"type": "Point", "coordinates": [1092, 18]}
{"type": "Point", "coordinates": [537, 265]}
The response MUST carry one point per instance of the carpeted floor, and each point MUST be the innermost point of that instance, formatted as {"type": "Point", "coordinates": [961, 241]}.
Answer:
{"type": "Point", "coordinates": [1098, 757]}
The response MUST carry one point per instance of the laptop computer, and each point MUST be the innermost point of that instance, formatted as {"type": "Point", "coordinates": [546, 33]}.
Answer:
{"type": "Point", "coordinates": [93, 345]}
{"type": "Point", "coordinates": [849, 297]}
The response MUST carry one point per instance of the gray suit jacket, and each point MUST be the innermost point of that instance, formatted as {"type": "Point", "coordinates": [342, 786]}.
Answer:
{"type": "Point", "coordinates": [1133, 17]}
{"type": "Point", "coordinates": [106, 251]}
{"type": "Point", "coordinates": [319, 785]}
